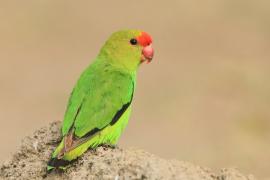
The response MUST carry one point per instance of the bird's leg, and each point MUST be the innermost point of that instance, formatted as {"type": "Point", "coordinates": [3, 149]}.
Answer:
{"type": "Point", "coordinates": [112, 146]}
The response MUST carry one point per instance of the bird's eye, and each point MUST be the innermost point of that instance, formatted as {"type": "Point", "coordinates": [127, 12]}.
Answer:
{"type": "Point", "coordinates": [133, 41]}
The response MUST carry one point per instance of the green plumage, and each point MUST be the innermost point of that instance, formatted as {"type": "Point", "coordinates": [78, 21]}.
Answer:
{"type": "Point", "coordinates": [99, 106]}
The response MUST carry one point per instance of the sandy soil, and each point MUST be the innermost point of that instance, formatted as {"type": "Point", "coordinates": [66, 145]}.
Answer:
{"type": "Point", "coordinates": [103, 163]}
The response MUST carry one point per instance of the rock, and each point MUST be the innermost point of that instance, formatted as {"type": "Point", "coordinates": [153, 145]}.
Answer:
{"type": "Point", "coordinates": [103, 163]}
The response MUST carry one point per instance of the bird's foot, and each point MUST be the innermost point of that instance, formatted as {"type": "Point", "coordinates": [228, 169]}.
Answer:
{"type": "Point", "coordinates": [112, 146]}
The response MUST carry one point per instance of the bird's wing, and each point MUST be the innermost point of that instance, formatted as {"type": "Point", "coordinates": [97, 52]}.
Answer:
{"type": "Point", "coordinates": [98, 100]}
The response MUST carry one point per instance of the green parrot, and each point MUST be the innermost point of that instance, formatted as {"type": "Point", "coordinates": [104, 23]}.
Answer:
{"type": "Point", "coordinates": [99, 105]}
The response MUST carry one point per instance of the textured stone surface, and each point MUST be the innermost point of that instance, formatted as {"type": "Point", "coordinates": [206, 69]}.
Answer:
{"type": "Point", "coordinates": [103, 163]}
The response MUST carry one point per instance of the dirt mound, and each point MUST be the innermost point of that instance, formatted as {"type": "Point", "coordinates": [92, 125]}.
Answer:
{"type": "Point", "coordinates": [103, 163]}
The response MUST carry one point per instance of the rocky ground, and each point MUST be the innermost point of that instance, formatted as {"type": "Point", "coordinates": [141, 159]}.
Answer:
{"type": "Point", "coordinates": [103, 163]}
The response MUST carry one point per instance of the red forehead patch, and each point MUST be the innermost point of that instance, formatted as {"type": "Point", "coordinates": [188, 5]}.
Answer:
{"type": "Point", "coordinates": [144, 39]}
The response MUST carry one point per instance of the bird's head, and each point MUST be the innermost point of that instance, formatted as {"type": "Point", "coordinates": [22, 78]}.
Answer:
{"type": "Point", "coordinates": [128, 48]}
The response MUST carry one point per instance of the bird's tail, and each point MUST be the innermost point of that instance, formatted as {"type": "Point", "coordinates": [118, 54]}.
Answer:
{"type": "Point", "coordinates": [57, 162]}
{"type": "Point", "coordinates": [60, 160]}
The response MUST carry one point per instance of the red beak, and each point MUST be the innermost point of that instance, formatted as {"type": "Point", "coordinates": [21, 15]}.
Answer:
{"type": "Point", "coordinates": [147, 53]}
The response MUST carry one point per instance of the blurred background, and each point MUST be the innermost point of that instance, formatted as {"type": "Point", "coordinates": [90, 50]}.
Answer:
{"type": "Point", "coordinates": [205, 97]}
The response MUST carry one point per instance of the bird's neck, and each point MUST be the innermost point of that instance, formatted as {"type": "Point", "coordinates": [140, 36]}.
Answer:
{"type": "Point", "coordinates": [125, 64]}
